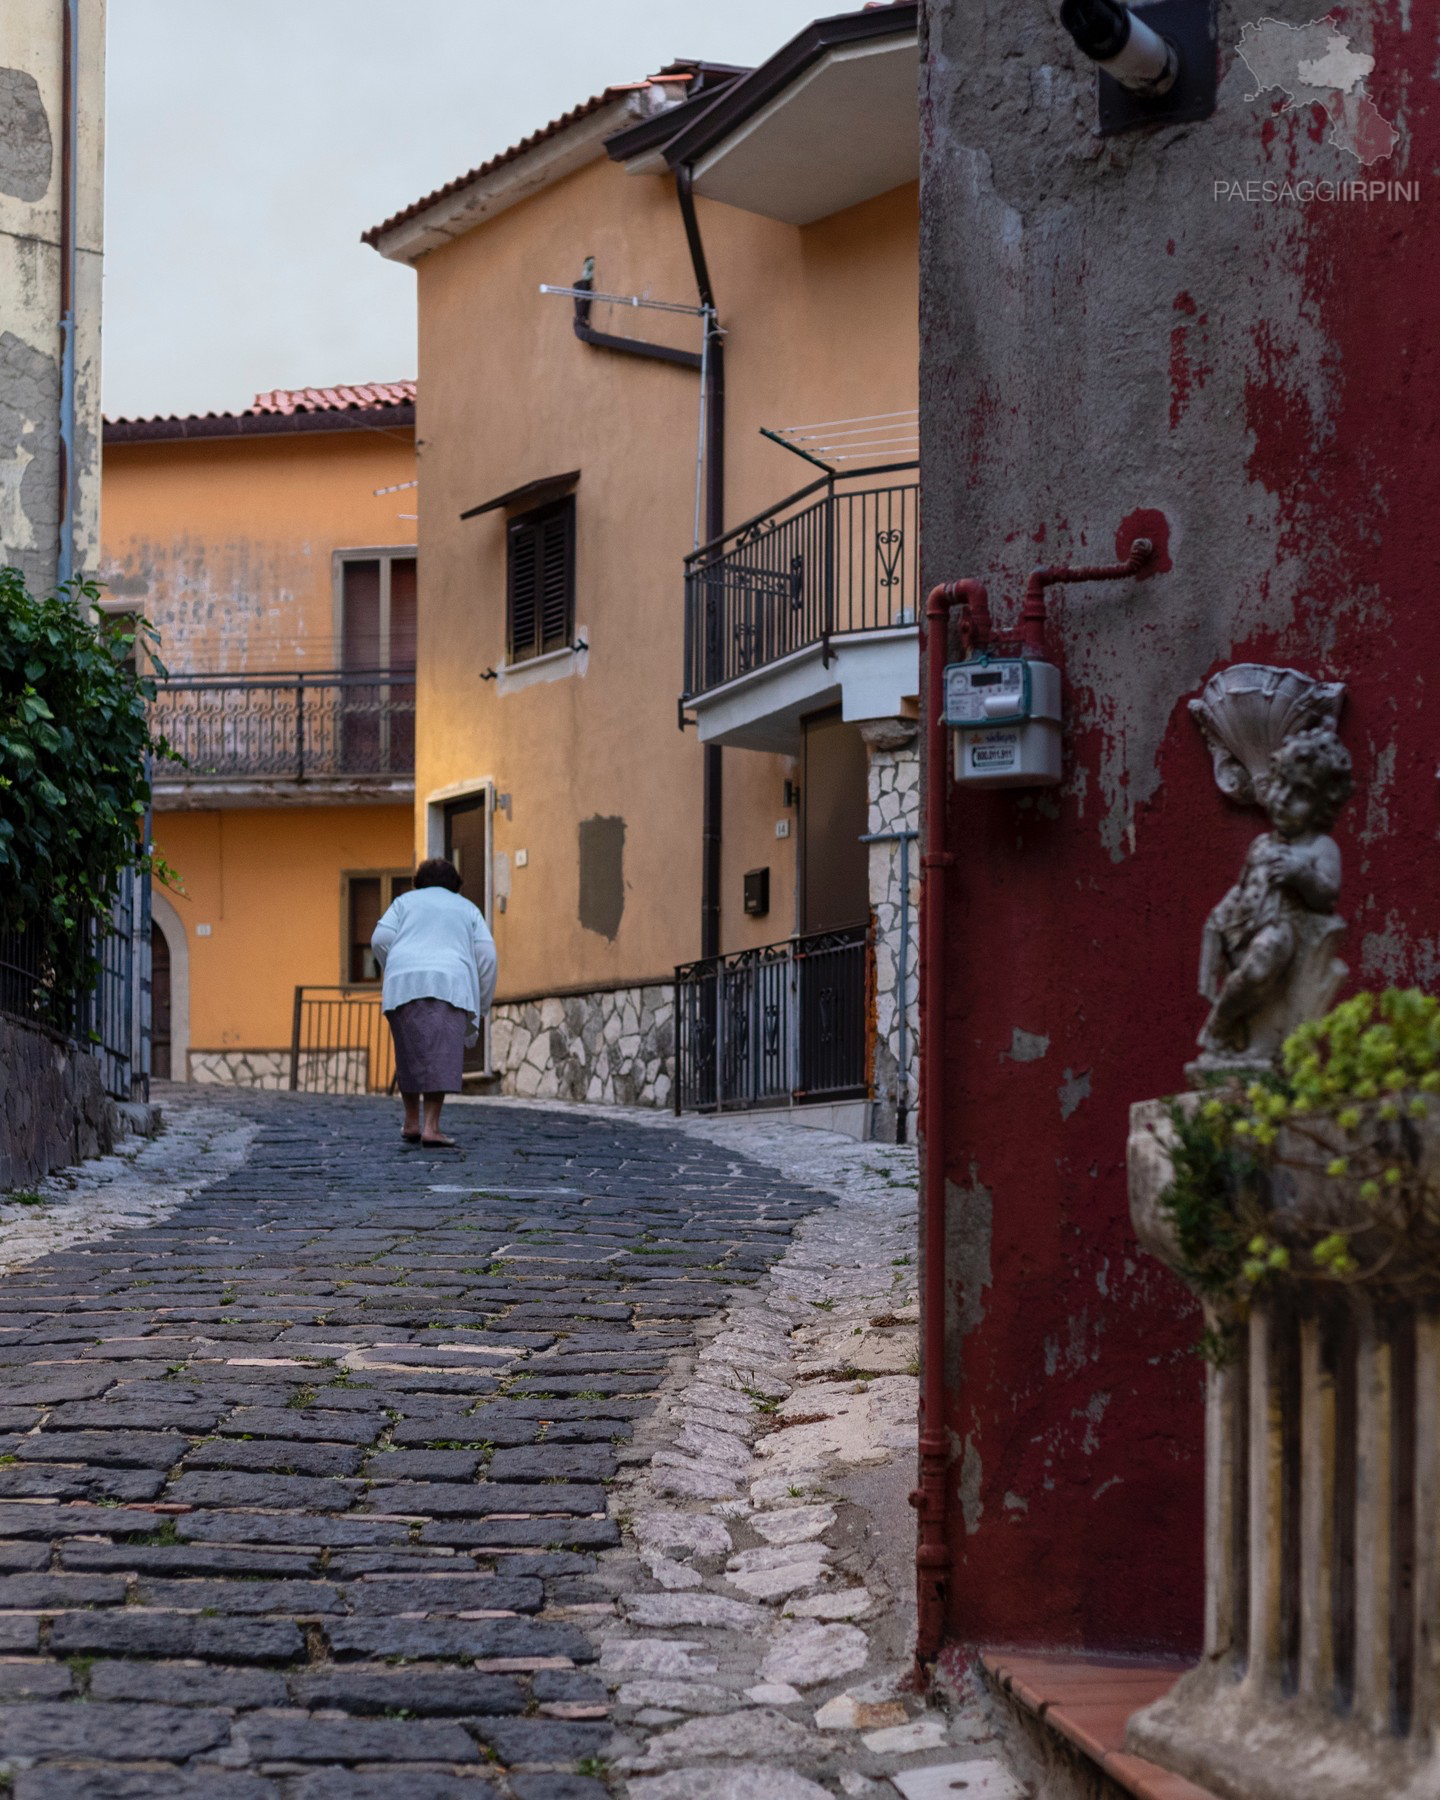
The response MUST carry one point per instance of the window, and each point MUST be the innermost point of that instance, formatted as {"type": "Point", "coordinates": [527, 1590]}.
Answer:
{"type": "Point", "coordinates": [540, 580]}
{"type": "Point", "coordinates": [377, 602]}
{"type": "Point", "coordinates": [364, 897]}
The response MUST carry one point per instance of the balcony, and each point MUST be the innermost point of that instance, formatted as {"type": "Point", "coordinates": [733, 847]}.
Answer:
{"type": "Point", "coordinates": [809, 604]}
{"type": "Point", "coordinates": [288, 737]}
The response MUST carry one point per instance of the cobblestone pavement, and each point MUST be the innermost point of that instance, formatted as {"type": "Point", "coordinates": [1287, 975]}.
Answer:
{"type": "Point", "coordinates": [313, 1476]}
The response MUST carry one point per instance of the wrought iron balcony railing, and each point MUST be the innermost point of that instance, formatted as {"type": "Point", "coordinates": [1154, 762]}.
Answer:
{"type": "Point", "coordinates": [838, 557]}
{"type": "Point", "coordinates": [766, 1027]}
{"type": "Point", "coordinates": [295, 726]}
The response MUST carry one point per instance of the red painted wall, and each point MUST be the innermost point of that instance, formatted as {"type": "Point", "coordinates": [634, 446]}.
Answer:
{"type": "Point", "coordinates": [1101, 333]}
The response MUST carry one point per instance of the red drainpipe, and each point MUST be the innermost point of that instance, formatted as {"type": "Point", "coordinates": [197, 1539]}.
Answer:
{"type": "Point", "coordinates": [1032, 617]}
{"type": "Point", "coordinates": [932, 1556]}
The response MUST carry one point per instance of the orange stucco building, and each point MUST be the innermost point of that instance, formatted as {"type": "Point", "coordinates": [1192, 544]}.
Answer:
{"type": "Point", "coordinates": [275, 550]}
{"type": "Point", "coordinates": [564, 635]}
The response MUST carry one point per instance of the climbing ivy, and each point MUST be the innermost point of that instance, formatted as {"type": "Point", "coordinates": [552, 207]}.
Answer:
{"type": "Point", "coordinates": [75, 737]}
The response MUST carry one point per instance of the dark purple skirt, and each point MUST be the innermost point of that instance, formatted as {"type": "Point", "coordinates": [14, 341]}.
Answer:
{"type": "Point", "coordinates": [429, 1046]}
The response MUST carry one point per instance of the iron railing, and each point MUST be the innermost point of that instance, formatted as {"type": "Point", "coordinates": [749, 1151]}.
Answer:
{"type": "Point", "coordinates": [112, 1019]}
{"type": "Point", "coordinates": [780, 1024]}
{"type": "Point", "coordinates": [340, 1042]}
{"type": "Point", "coordinates": [838, 557]}
{"type": "Point", "coordinates": [293, 726]}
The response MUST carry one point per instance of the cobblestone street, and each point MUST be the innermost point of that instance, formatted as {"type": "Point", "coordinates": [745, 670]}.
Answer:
{"type": "Point", "coordinates": [304, 1487]}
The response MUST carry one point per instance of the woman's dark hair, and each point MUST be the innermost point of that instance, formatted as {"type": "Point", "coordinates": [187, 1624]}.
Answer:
{"type": "Point", "coordinates": [438, 871]}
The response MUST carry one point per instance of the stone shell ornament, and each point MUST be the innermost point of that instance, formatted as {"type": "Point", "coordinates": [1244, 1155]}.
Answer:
{"type": "Point", "coordinates": [1247, 711]}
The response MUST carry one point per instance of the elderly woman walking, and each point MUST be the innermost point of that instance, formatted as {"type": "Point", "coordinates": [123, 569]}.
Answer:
{"type": "Point", "coordinates": [438, 960]}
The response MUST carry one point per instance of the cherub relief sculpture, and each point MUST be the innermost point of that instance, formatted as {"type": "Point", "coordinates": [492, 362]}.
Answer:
{"type": "Point", "coordinates": [1267, 961]}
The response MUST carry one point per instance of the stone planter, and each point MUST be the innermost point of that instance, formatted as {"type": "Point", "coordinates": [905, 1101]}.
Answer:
{"type": "Point", "coordinates": [1321, 1674]}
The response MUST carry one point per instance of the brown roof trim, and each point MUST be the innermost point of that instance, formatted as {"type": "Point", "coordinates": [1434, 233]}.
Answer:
{"type": "Point", "coordinates": [530, 490]}
{"type": "Point", "coordinates": [654, 134]}
{"type": "Point", "coordinates": [744, 98]}
{"type": "Point", "coordinates": [574, 117]}
{"type": "Point", "coordinates": [251, 424]}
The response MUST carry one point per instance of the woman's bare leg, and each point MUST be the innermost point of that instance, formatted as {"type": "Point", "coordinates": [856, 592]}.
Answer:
{"type": "Point", "coordinates": [432, 1133]}
{"type": "Point", "coordinates": [411, 1123]}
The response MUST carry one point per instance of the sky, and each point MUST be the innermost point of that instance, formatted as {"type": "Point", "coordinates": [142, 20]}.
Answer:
{"type": "Point", "coordinates": [250, 142]}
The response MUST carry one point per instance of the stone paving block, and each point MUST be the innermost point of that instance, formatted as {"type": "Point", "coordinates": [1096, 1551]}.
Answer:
{"type": "Point", "coordinates": [599, 1534]}
{"type": "Point", "coordinates": [542, 1740]}
{"type": "Point", "coordinates": [289, 1528]}
{"type": "Point", "coordinates": [34, 1680]}
{"type": "Point", "coordinates": [44, 1591]}
{"type": "Point", "coordinates": [397, 1784]}
{"type": "Point", "coordinates": [311, 1492]}
{"type": "Point", "coordinates": [36, 1481]}
{"type": "Point", "coordinates": [16, 1557]}
{"type": "Point", "coordinates": [276, 1456]}
{"type": "Point", "coordinates": [124, 1733]}
{"type": "Point", "coordinates": [134, 1633]}
{"type": "Point", "coordinates": [387, 1597]}
{"type": "Point", "coordinates": [567, 1462]}
{"type": "Point", "coordinates": [457, 1637]}
{"type": "Point", "coordinates": [436, 1688]}
{"type": "Point", "coordinates": [155, 1413]}
{"type": "Point", "coordinates": [423, 1465]}
{"type": "Point", "coordinates": [135, 1449]}
{"type": "Point", "coordinates": [476, 1499]}
{"type": "Point", "coordinates": [304, 1424]}
{"type": "Point", "coordinates": [19, 1634]}
{"type": "Point", "coordinates": [489, 1425]}
{"type": "Point", "coordinates": [187, 1559]}
{"type": "Point", "coordinates": [241, 1596]}
{"type": "Point", "coordinates": [186, 1684]}
{"type": "Point", "coordinates": [568, 1685]}
{"type": "Point", "coordinates": [302, 1737]}
{"type": "Point", "coordinates": [56, 1782]}
{"type": "Point", "coordinates": [549, 1786]}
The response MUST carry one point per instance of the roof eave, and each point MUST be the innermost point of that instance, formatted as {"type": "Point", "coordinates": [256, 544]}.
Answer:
{"type": "Point", "coordinates": [233, 425]}
{"type": "Point", "coordinates": [756, 90]}
{"type": "Point", "coordinates": [515, 179]}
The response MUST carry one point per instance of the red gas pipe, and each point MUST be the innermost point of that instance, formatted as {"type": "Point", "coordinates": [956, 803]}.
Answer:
{"type": "Point", "coordinates": [930, 1498]}
{"type": "Point", "coordinates": [932, 1556]}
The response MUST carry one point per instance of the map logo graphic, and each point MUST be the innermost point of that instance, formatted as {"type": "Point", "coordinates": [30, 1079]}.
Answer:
{"type": "Point", "coordinates": [1314, 64]}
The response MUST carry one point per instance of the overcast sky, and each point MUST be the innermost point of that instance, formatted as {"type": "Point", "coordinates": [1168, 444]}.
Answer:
{"type": "Point", "coordinates": [250, 142]}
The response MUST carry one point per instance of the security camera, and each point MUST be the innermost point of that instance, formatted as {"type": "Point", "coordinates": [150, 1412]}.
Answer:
{"type": "Point", "coordinates": [1124, 46]}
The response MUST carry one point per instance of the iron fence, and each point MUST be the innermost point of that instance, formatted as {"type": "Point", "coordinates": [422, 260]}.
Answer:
{"type": "Point", "coordinates": [295, 725]}
{"type": "Point", "coordinates": [765, 1027]}
{"type": "Point", "coordinates": [340, 1042]}
{"type": "Point", "coordinates": [112, 1018]}
{"type": "Point", "coordinates": [839, 556]}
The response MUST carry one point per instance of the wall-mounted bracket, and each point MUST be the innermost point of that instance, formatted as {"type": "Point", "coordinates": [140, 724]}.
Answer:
{"type": "Point", "coordinates": [1190, 26]}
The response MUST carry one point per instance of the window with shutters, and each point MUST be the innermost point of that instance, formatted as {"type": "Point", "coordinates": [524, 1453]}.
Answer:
{"type": "Point", "coordinates": [540, 580]}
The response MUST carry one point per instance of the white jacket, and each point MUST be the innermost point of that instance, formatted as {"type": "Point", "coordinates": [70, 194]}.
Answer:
{"type": "Point", "coordinates": [434, 945]}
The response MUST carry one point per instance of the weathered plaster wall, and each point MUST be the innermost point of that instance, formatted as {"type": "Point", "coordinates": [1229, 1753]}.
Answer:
{"type": "Point", "coordinates": [228, 545]}
{"type": "Point", "coordinates": [32, 73]}
{"type": "Point", "coordinates": [1100, 334]}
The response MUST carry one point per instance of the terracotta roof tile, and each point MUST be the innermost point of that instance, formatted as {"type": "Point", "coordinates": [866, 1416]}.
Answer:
{"type": "Point", "coordinates": [336, 399]}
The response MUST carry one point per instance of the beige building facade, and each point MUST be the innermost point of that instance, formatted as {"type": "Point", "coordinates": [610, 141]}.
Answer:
{"type": "Point", "coordinates": [52, 169]}
{"type": "Point", "coordinates": [572, 451]}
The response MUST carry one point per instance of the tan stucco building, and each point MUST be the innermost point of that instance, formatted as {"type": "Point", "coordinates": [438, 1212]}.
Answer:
{"type": "Point", "coordinates": [774, 213]}
{"type": "Point", "coordinates": [275, 550]}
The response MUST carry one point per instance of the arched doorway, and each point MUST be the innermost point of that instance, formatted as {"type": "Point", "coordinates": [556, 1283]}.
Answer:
{"type": "Point", "coordinates": [169, 992]}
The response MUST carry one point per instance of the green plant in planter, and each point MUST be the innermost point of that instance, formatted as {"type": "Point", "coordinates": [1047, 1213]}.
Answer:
{"type": "Point", "coordinates": [1340, 1119]}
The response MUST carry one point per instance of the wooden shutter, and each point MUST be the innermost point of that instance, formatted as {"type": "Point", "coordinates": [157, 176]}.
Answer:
{"type": "Point", "coordinates": [541, 580]}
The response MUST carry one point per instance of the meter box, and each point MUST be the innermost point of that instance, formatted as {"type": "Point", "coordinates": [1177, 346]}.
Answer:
{"type": "Point", "coordinates": [1004, 717]}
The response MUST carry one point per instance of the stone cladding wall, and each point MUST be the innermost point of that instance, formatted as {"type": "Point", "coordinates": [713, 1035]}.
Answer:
{"type": "Point", "coordinates": [894, 787]}
{"type": "Point", "coordinates": [53, 1108]}
{"type": "Point", "coordinates": [617, 1048]}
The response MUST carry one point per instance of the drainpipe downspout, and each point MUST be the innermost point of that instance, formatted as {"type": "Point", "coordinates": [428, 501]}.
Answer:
{"type": "Point", "coordinates": [69, 147]}
{"type": "Point", "coordinates": [713, 771]}
{"type": "Point", "coordinates": [930, 1498]}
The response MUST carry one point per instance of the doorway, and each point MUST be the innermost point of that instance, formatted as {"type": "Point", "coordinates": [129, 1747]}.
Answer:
{"type": "Point", "coordinates": [467, 845]}
{"type": "Point", "coordinates": [159, 1004]}
{"type": "Point", "coordinates": [834, 811]}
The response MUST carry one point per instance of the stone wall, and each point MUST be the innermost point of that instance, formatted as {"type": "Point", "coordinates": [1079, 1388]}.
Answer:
{"type": "Point", "coordinates": [53, 1108]}
{"type": "Point", "coordinates": [614, 1047]}
{"type": "Point", "coordinates": [894, 793]}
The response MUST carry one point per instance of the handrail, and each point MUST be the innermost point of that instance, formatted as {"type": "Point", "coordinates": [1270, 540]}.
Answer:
{"type": "Point", "coordinates": [813, 487]}
{"type": "Point", "coordinates": [266, 679]}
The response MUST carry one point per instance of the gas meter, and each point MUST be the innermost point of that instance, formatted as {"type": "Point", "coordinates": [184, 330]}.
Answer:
{"type": "Point", "coordinates": [1004, 714]}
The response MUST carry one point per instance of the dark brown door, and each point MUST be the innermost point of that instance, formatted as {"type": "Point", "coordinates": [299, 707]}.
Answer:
{"type": "Point", "coordinates": [465, 831]}
{"type": "Point", "coordinates": [159, 1005]}
{"type": "Point", "coordinates": [834, 864]}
